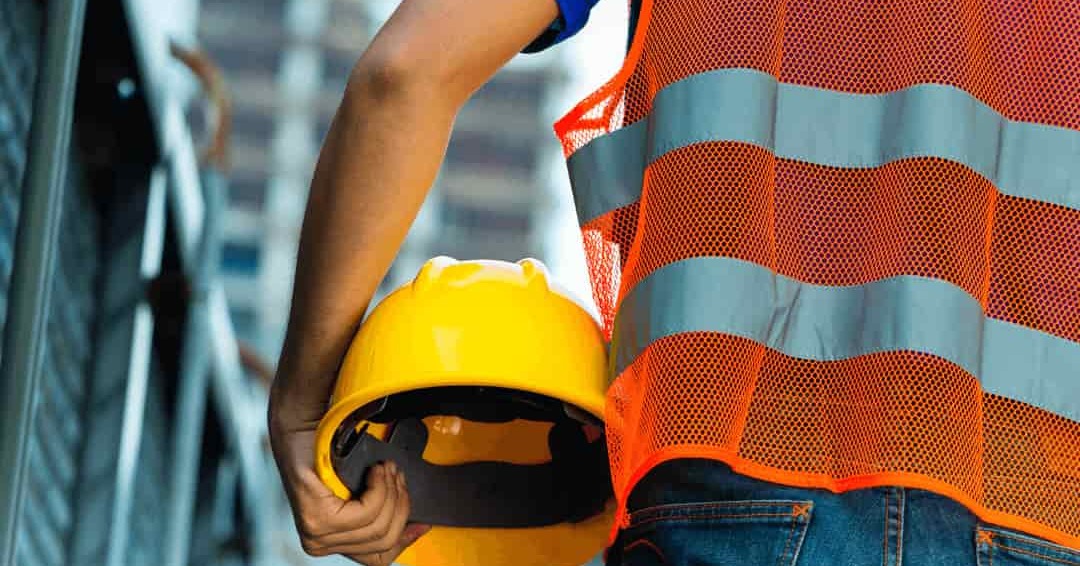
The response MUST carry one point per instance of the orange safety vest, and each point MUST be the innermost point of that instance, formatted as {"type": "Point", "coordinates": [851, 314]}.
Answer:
{"type": "Point", "coordinates": [836, 244]}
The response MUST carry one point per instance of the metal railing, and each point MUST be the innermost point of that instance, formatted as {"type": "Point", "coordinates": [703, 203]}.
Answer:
{"type": "Point", "coordinates": [172, 210]}
{"type": "Point", "coordinates": [35, 240]}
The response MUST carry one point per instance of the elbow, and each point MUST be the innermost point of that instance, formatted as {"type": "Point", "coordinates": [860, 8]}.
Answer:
{"type": "Point", "coordinates": [394, 75]}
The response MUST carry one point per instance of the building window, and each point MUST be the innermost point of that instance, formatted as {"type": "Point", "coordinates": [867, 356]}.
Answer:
{"type": "Point", "coordinates": [524, 90]}
{"type": "Point", "coordinates": [245, 321]}
{"type": "Point", "coordinates": [252, 123]}
{"type": "Point", "coordinates": [337, 66]}
{"type": "Point", "coordinates": [240, 259]}
{"type": "Point", "coordinates": [471, 217]}
{"type": "Point", "coordinates": [264, 9]}
{"type": "Point", "coordinates": [264, 16]}
{"type": "Point", "coordinates": [470, 149]}
{"type": "Point", "coordinates": [245, 58]}
{"type": "Point", "coordinates": [247, 191]}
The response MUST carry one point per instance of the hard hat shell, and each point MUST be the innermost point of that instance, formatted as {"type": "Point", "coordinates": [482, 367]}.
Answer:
{"type": "Point", "coordinates": [484, 324]}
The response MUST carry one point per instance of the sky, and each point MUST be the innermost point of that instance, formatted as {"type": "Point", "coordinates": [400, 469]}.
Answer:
{"type": "Point", "coordinates": [593, 57]}
{"type": "Point", "coordinates": [599, 48]}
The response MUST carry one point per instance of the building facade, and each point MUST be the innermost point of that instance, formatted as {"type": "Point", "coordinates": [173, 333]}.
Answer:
{"type": "Point", "coordinates": [287, 62]}
{"type": "Point", "coordinates": [119, 446]}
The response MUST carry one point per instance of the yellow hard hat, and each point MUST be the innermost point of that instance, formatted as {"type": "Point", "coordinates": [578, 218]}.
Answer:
{"type": "Point", "coordinates": [484, 382]}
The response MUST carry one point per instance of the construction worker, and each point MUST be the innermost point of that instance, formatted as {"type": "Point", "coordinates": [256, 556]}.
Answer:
{"type": "Point", "coordinates": [836, 247]}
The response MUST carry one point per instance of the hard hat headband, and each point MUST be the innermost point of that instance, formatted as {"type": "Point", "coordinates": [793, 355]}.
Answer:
{"type": "Point", "coordinates": [474, 403]}
{"type": "Point", "coordinates": [572, 487]}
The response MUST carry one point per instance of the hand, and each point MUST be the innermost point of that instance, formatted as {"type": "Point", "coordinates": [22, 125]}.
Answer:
{"type": "Point", "coordinates": [370, 530]}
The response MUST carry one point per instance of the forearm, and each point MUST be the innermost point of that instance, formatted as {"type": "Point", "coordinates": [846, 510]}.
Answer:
{"type": "Point", "coordinates": [379, 159]}
{"type": "Point", "coordinates": [377, 164]}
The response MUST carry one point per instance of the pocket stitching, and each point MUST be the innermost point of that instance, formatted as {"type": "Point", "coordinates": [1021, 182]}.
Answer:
{"type": "Point", "coordinates": [1026, 540]}
{"type": "Point", "coordinates": [805, 522]}
{"type": "Point", "coordinates": [994, 534]}
{"type": "Point", "coordinates": [885, 533]}
{"type": "Point", "coordinates": [983, 547]}
{"type": "Point", "coordinates": [1035, 554]}
{"type": "Point", "coordinates": [691, 519]}
{"type": "Point", "coordinates": [707, 510]}
{"type": "Point", "coordinates": [643, 541]}
{"type": "Point", "coordinates": [787, 545]}
{"type": "Point", "coordinates": [799, 514]}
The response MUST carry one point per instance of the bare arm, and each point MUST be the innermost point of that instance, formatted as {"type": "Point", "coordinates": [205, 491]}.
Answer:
{"type": "Point", "coordinates": [377, 164]}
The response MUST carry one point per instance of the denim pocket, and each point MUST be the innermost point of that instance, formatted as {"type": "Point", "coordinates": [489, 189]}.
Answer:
{"type": "Point", "coordinates": [750, 533]}
{"type": "Point", "coordinates": [1000, 547]}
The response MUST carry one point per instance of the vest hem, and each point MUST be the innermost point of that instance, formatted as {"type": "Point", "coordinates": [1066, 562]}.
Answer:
{"type": "Point", "coordinates": [819, 481]}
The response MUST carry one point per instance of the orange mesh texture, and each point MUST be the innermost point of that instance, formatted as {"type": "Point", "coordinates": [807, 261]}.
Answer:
{"type": "Point", "coordinates": [607, 240]}
{"type": "Point", "coordinates": [898, 418]}
{"type": "Point", "coordinates": [893, 418]}
{"type": "Point", "coordinates": [1035, 264]}
{"type": "Point", "coordinates": [727, 213]}
{"type": "Point", "coordinates": [1022, 58]}
{"type": "Point", "coordinates": [832, 226]}
{"type": "Point", "coordinates": [822, 225]}
{"type": "Point", "coordinates": [925, 216]}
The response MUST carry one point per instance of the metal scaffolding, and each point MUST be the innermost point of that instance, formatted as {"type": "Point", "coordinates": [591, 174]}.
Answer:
{"type": "Point", "coordinates": [38, 230]}
{"type": "Point", "coordinates": [166, 429]}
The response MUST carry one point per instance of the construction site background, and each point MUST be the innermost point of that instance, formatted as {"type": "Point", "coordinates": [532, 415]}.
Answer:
{"type": "Point", "coordinates": [135, 381]}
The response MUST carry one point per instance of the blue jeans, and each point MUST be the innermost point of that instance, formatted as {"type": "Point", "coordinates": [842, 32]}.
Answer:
{"type": "Point", "coordinates": [700, 513]}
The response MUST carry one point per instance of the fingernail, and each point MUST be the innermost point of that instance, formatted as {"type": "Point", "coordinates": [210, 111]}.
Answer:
{"type": "Point", "coordinates": [392, 468]}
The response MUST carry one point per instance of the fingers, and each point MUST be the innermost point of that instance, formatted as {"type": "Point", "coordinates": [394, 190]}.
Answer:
{"type": "Point", "coordinates": [409, 535]}
{"type": "Point", "coordinates": [412, 533]}
{"type": "Point", "coordinates": [373, 509]}
{"type": "Point", "coordinates": [382, 525]}
{"type": "Point", "coordinates": [400, 516]}
{"type": "Point", "coordinates": [385, 534]}
{"type": "Point", "coordinates": [320, 513]}
{"type": "Point", "coordinates": [382, 557]}
{"type": "Point", "coordinates": [373, 529]}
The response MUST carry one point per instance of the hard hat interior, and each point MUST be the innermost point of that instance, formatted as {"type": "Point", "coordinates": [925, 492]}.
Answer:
{"type": "Point", "coordinates": [477, 404]}
{"type": "Point", "coordinates": [454, 482]}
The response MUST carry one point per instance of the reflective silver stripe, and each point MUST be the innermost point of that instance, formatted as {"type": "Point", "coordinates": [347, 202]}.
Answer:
{"type": "Point", "coordinates": [607, 173]}
{"type": "Point", "coordinates": [830, 128]}
{"type": "Point", "coordinates": [822, 323]}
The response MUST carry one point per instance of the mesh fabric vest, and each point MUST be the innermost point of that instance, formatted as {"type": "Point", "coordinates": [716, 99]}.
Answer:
{"type": "Point", "coordinates": [836, 244]}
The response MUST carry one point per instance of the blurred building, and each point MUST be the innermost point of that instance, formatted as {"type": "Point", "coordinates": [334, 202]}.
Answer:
{"type": "Point", "coordinates": [501, 194]}
{"type": "Point", "coordinates": [129, 433]}
{"type": "Point", "coordinates": [140, 439]}
{"type": "Point", "coordinates": [286, 62]}
{"type": "Point", "coordinates": [493, 197]}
